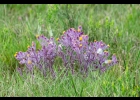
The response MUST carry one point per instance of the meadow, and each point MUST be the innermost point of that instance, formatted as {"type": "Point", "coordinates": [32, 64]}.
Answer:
{"type": "Point", "coordinates": [115, 24]}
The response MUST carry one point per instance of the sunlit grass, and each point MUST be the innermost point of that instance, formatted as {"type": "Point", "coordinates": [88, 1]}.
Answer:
{"type": "Point", "coordinates": [116, 25]}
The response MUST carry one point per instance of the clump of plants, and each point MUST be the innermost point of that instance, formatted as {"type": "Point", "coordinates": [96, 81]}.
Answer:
{"type": "Point", "coordinates": [73, 48]}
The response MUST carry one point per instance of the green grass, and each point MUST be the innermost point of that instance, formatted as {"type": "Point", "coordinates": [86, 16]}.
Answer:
{"type": "Point", "coordinates": [117, 25]}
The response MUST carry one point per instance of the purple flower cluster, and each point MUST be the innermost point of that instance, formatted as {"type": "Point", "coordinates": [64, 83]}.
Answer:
{"type": "Point", "coordinates": [42, 59]}
{"type": "Point", "coordinates": [74, 49]}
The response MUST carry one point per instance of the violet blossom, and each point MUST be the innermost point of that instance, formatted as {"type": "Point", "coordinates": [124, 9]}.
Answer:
{"type": "Point", "coordinates": [75, 48]}
{"type": "Point", "coordinates": [42, 59]}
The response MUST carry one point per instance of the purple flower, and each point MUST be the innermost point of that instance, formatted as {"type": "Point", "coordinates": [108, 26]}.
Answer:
{"type": "Point", "coordinates": [48, 52]}
{"type": "Point", "coordinates": [43, 57]}
{"type": "Point", "coordinates": [75, 48]}
{"type": "Point", "coordinates": [29, 58]}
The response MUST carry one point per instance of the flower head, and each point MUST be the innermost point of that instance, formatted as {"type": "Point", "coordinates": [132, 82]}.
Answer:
{"type": "Point", "coordinates": [80, 38]}
{"type": "Point", "coordinates": [79, 28]}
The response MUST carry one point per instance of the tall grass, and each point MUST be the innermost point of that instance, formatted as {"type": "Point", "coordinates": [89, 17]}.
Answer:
{"type": "Point", "coordinates": [115, 24]}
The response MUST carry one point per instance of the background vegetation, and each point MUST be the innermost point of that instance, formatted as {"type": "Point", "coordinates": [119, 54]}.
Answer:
{"type": "Point", "coordinates": [115, 24]}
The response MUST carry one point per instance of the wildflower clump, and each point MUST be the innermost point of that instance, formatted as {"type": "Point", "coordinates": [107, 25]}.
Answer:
{"type": "Point", "coordinates": [73, 48]}
{"type": "Point", "coordinates": [43, 59]}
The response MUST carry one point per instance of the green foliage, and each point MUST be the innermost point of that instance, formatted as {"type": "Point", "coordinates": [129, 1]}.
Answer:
{"type": "Point", "coordinates": [117, 25]}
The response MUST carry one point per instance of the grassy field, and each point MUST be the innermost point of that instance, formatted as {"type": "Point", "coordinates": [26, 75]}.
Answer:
{"type": "Point", "coordinates": [116, 24]}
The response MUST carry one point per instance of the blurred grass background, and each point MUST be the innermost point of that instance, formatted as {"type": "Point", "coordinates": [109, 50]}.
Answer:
{"type": "Point", "coordinates": [115, 24]}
